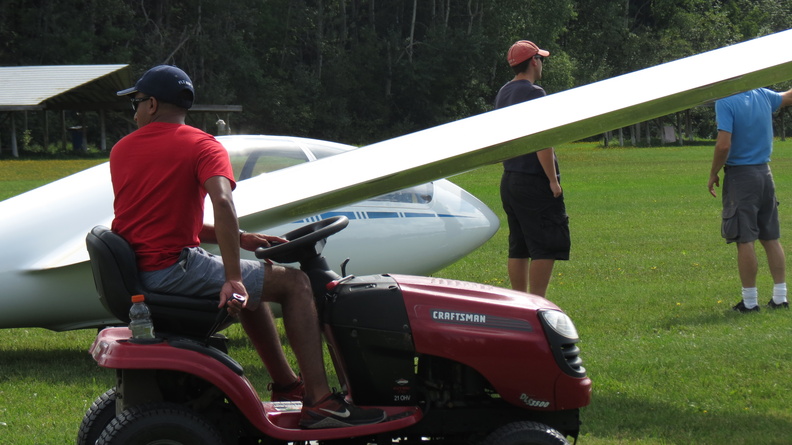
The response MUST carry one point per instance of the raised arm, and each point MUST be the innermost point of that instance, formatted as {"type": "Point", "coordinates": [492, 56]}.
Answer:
{"type": "Point", "coordinates": [786, 98]}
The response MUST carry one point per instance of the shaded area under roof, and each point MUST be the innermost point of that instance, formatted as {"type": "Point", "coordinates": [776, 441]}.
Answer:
{"type": "Point", "coordinates": [81, 88]}
{"type": "Point", "coordinates": [72, 87]}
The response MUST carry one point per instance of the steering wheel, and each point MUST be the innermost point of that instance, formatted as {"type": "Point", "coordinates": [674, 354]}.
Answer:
{"type": "Point", "coordinates": [304, 242]}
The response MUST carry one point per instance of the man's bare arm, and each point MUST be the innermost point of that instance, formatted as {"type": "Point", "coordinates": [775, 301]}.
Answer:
{"type": "Point", "coordinates": [547, 160]}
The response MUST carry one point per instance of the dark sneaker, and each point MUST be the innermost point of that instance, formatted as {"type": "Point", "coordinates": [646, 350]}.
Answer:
{"type": "Point", "coordinates": [289, 393]}
{"type": "Point", "coordinates": [740, 307]}
{"type": "Point", "coordinates": [772, 305]}
{"type": "Point", "coordinates": [335, 412]}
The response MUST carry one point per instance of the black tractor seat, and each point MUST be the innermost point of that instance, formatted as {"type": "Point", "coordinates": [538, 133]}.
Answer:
{"type": "Point", "coordinates": [115, 275]}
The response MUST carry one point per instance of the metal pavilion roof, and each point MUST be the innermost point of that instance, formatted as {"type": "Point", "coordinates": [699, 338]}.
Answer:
{"type": "Point", "coordinates": [62, 87]}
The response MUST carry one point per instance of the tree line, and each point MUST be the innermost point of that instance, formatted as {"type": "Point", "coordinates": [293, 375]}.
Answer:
{"type": "Point", "coordinates": [359, 71]}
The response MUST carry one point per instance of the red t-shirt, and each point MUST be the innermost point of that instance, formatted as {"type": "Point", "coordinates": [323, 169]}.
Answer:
{"type": "Point", "coordinates": [158, 175]}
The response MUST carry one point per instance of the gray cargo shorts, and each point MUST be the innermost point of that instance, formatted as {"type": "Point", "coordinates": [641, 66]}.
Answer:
{"type": "Point", "coordinates": [750, 207]}
{"type": "Point", "coordinates": [201, 274]}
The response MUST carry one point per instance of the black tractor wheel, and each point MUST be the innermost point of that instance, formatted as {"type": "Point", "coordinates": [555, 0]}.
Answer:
{"type": "Point", "coordinates": [525, 433]}
{"type": "Point", "coordinates": [159, 424]}
{"type": "Point", "coordinates": [101, 412]}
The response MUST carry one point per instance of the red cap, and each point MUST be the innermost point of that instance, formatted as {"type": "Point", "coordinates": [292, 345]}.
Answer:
{"type": "Point", "coordinates": [523, 50]}
{"type": "Point", "coordinates": [138, 298]}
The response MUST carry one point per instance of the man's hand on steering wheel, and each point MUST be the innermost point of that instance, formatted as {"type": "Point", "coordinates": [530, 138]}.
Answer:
{"type": "Point", "coordinates": [305, 241]}
{"type": "Point", "coordinates": [252, 241]}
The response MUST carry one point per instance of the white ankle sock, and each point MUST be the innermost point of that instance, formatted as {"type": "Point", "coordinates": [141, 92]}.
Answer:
{"type": "Point", "coordinates": [750, 298]}
{"type": "Point", "coordinates": [779, 293]}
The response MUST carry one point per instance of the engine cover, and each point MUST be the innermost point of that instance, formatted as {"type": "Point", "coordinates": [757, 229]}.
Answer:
{"type": "Point", "coordinates": [370, 328]}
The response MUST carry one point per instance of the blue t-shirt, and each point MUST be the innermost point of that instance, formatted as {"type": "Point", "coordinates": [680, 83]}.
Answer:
{"type": "Point", "coordinates": [748, 117]}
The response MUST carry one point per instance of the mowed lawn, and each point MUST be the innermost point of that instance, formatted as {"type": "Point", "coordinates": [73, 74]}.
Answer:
{"type": "Point", "coordinates": [649, 286]}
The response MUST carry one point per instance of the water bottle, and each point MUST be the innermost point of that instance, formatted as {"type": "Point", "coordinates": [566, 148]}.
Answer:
{"type": "Point", "coordinates": [140, 318]}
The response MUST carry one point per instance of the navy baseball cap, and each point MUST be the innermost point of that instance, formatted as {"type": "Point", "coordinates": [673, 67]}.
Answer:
{"type": "Point", "coordinates": [167, 83]}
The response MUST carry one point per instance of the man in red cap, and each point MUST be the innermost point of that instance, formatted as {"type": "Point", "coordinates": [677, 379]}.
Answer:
{"type": "Point", "coordinates": [531, 187]}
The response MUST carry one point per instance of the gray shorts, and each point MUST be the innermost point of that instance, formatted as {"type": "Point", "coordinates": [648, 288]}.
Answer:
{"type": "Point", "coordinates": [750, 207]}
{"type": "Point", "coordinates": [201, 274]}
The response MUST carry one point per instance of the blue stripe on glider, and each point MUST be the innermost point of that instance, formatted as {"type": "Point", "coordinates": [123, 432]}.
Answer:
{"type": "Point", "coordinates": [377, 215]}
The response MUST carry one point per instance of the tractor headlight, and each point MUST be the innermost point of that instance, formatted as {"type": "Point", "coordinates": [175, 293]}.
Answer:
{"type": "Point", "coordinates": [563, 338]}
{"type": "Point", "coordinates": [561, 323]}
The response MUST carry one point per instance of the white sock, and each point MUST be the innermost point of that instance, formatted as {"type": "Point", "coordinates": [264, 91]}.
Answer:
{"type": "Point", "coordinates": [779, 293]}
{"type": "Point", "coordinates": [750, 298]}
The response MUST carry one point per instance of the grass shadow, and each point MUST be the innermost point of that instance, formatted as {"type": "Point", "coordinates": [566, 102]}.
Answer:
{"type": "Point", "coordinates": [625, 419]}
{"type": "Point", "coordinates": [696, 319]}
{"type": "Point", "coordinates": [58, 366]}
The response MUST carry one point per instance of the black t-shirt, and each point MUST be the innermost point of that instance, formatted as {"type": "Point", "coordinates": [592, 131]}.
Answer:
{"type": "Point", "coordinates": [515, 92]}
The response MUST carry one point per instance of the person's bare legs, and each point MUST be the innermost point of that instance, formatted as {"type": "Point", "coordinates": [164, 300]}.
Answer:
{"type": "Point", "coordinates": [747, 264]}
{"type": "Point", "coordinates": [259, 324]}
{"type": "Point", "coordinates": [529, 275]}
{"type": "Point", "coordinates": [539, 274]}
{"type": "Point", "coordinates": [518, 273]}
{"type": "Point", "coordinates": [776, 260]}
{"type": "Point", "coordinates": [292, 290]}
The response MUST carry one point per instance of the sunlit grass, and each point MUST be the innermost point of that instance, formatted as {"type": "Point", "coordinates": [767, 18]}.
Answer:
{"type": "Point", "coordinates": [17, 176]}
{"type": "Point", "coordinates": [649, 286]}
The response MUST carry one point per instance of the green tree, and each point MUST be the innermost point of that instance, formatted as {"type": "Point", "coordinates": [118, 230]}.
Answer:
{"type": "Point", "coordinates": [359, 71]}
{"type": "Point", "coordinates": [44, 32]}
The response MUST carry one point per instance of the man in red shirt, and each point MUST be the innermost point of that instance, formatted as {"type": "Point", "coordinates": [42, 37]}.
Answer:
{"type": "Point", "coordinates": [161, 174]}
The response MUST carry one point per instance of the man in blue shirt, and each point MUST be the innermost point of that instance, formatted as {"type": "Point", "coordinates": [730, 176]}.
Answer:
{"type": "Point", "coordinates": [750, 207]}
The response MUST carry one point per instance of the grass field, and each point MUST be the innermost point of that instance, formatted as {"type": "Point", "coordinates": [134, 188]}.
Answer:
{"type": "Point", "coordinates": [649, 285]}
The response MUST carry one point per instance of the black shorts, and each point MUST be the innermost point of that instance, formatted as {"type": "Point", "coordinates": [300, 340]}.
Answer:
{"type": "Point", "coordinates": [750, 207]}
{"type": "Point", "coordinates": [538, 222]}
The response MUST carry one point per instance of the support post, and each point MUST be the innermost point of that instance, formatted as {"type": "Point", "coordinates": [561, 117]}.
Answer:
{"type": "Point", "coordinates": [679, 128]}
{"type": "Point", "coordinates": [14, 148]}
{"type": "Point", "coordinates": [46, 132]}
{"type": "Point", "coordinates": [103, 131]}
{"type": "Point", "coordinates": [63, 131]}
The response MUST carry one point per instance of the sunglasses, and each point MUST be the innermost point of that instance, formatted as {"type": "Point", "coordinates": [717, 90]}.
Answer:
{"type": "Point", "coordinates": [540, 58]}
{"type": "Point", "coordinates": [136, 101]}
